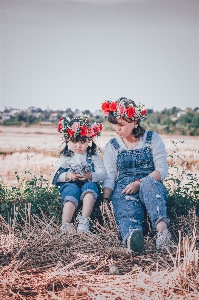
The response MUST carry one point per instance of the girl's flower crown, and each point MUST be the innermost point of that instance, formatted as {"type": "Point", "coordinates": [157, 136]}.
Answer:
{"type": "Point", "coordinates": [79, 127]}
{"type": "Point", "coordinates": [124, 108]}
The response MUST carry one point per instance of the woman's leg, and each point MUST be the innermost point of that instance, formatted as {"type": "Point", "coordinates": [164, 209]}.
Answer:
{"type": "Point", "coordinates": [153, 195]}
{"type": "Point", "coordinates": [161, 226]}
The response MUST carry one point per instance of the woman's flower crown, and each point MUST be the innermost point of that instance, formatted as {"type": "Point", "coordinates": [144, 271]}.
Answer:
{"type": "Point", "coordinates": [124, 108]}
{"type": "Point", "coordinates": [71, 128]}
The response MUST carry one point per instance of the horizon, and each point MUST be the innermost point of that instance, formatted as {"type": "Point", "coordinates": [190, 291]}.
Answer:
{"type": "Point", "coordinates": [59, 109]}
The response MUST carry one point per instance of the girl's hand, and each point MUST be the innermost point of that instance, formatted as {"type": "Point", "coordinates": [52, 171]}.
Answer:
{"type": "Point", "coordinates": [86, 175]}
{"type": "Point", "coordinates": [131, 188]}
{"type": "Point", "coordinates": [70, 176]}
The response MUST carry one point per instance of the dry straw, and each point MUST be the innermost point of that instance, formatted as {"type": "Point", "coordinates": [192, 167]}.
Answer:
{"type": "Point", "coordinates": [39, 262]}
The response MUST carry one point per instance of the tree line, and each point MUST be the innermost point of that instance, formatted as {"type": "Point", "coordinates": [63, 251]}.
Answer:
{"type": "Point", "coordinates": [167, 121]}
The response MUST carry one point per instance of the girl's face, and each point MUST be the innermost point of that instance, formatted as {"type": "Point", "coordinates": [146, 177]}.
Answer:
{"type": "Point", "coordinates": [78, 147]}
{"type": "Point", "coordinates": [123, 128]}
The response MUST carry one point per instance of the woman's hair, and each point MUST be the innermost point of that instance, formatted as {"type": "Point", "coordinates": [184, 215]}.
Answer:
{"type": "Point", "coordinates": [92, 150]}
{"type": "Point", "coordinates": [139, 130]}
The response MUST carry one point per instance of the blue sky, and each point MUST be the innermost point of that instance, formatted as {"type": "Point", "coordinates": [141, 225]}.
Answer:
{"type": "Point", "coordinates": [61, 54]}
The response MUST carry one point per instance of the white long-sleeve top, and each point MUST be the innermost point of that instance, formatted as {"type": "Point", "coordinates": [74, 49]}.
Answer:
{"type": "Point", "coordinates": [158, 151]}
{"type": "Point", "coordinates": [76, 159]}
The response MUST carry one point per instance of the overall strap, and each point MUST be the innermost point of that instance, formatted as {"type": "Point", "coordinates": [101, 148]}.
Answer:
{"type": "Point", "coordinates": [115, 143]}
{"type": "Point", "coordinates": [89, 161]}
{"type": "Point", "coordinates": [56, 176]}
{"type": "Point", "coordinates": [149, 137]}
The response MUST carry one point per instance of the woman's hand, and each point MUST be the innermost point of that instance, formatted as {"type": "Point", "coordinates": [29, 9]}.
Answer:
{"type": "Point", "coordinates": [70, 176]}
{"type": "Point", "coordinates": [131, 188]}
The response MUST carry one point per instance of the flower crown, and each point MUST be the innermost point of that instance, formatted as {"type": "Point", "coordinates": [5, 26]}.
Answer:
{"type": "Point", "coordinates": [124, 108]}
{"type": "Point", "coordinates": [78, 127]}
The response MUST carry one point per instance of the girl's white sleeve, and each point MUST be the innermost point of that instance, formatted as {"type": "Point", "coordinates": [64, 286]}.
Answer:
{"type": "Point", "coordinates": [159, 155]}
{"type": "Point", "coordinates": [110, 157]}
{"type": "Point", "coordinates": [100, 171]}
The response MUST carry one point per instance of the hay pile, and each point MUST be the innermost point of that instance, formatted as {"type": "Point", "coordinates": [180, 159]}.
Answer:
{"type": "Point", "coordinates": [39, 262]}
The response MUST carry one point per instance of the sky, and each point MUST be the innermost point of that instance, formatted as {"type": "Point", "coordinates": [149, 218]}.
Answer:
{"type": "Point", "coordinates": [61, 54]}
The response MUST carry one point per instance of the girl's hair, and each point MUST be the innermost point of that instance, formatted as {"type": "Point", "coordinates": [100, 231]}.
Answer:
{"type": "Point", "coordinates": [139, 130]}
{"type": "Point", "coordinates": [92, 150]}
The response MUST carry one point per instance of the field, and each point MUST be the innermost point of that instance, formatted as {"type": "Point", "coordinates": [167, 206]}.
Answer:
{"type": "Point", "coordinates": [38, 262]}
{"type": "Point", "coordinates": [37, 149]}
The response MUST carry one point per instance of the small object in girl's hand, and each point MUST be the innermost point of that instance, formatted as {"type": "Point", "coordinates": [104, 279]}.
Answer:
{"type": "Point", "coordinates": [82, 168]}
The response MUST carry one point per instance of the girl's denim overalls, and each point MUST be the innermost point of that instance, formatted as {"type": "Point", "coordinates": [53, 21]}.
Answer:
{"type": "Point", "coordinates": [75, 191]}
{"type": "Point", "coordinates": [128, 209]}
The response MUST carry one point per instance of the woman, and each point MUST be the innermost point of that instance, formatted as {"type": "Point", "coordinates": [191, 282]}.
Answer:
{"type": "Point", "coordinates": [136, 163]}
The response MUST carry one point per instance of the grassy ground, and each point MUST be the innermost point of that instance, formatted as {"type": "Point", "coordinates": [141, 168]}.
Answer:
{"type": "Point", "coordinates": [38, 262]}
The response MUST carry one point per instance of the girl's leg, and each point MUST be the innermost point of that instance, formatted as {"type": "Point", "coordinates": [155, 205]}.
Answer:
{"type": "Point", "coordinates": [89, 195]}
{"type": "Point", "coordinates": [88, 204]}
{"type": "Point", "coordinates": [70, 193]}
{"type": "Point", "coordinates": [68, 212]}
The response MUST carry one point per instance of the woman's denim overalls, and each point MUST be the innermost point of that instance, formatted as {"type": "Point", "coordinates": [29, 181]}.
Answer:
{"type": "Point", "coordinates": [75, 191]}
{"type": "Point", "coordinates": [128, 209]}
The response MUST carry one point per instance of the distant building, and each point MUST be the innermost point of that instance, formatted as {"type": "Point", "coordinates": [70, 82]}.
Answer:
{"type": "Point", "coordinates": [181, 113]}
{"type": "Point", "coordinates": [53, 117]}
{"type": "Point", "coordinates": [5, 116]}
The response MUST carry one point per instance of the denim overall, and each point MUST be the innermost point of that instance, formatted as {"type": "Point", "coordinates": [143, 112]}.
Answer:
{"type": "Point", "coordinates": [76, 190]}
{"type": "Point", "coordinates": [128, 209]}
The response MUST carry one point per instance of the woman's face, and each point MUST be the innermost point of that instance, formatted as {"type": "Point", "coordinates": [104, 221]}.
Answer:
{"type": "Point", "coordinates": [123, 128]}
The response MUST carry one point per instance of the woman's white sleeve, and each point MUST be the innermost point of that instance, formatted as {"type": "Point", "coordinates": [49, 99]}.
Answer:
{"type": "Point", "coordinates": [100, 171]}
{"type": "Point", "coordinates": [110, 156]}
{"type": "Point", "coordinates": [159, 155]}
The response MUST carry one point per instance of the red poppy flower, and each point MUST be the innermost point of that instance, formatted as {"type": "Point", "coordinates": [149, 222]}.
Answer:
{"type": "Point", "coordinates": [143, 112]}
{"type": "Point", "coordinates": [105, 106]}
{"type": "Point", "coordinates": [95, 128]}
{"type": "Point", "coordinates": [83, 131]}
{"type": "Point", "coordinates": [130, 112]}
{"type": "Point", "coordinates": [60, 126]}
{"type": "Point", "coordinates": [70, 132]}
{"type": "Point", "coordinates": [100, 126]}
{"type": "Point", "coordinates": [113, 106]}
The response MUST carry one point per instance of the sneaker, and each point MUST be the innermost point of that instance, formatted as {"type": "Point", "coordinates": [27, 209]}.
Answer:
{"type": "Point", "coordinates": [163, 240]}
{"type": "Point", "coordinates": [65, 227]}
{"type": "Point", "coordinates": [135, 241]}
{"type": "Point", "coordinates": [83, 223]}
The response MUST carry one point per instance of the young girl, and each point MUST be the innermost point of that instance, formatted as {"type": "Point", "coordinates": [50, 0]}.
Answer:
{"type": "Point", "coordinates": [79, 170]}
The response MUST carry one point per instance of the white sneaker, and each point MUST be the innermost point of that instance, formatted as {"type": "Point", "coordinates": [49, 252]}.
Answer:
{"type": "Point", "coordinates": [163, 240]}
{"type": "Point", "coordinates": [83, 223]}
{"type": "Point", "coordinates": [135, 241]}
{"type": "Point", "coordinates": [65, 227]}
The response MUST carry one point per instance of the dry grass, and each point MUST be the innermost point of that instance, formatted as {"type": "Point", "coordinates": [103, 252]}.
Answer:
{"type": "Point", "coordinates": [39, 262]}
{"type": "Point", "coordinates": [36, 149]}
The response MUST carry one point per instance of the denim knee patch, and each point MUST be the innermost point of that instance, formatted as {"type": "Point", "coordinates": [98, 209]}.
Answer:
{"type": "Point", "coordinates": [90, 187]}
{"type": "Point", "coordinates": [71, 192]}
